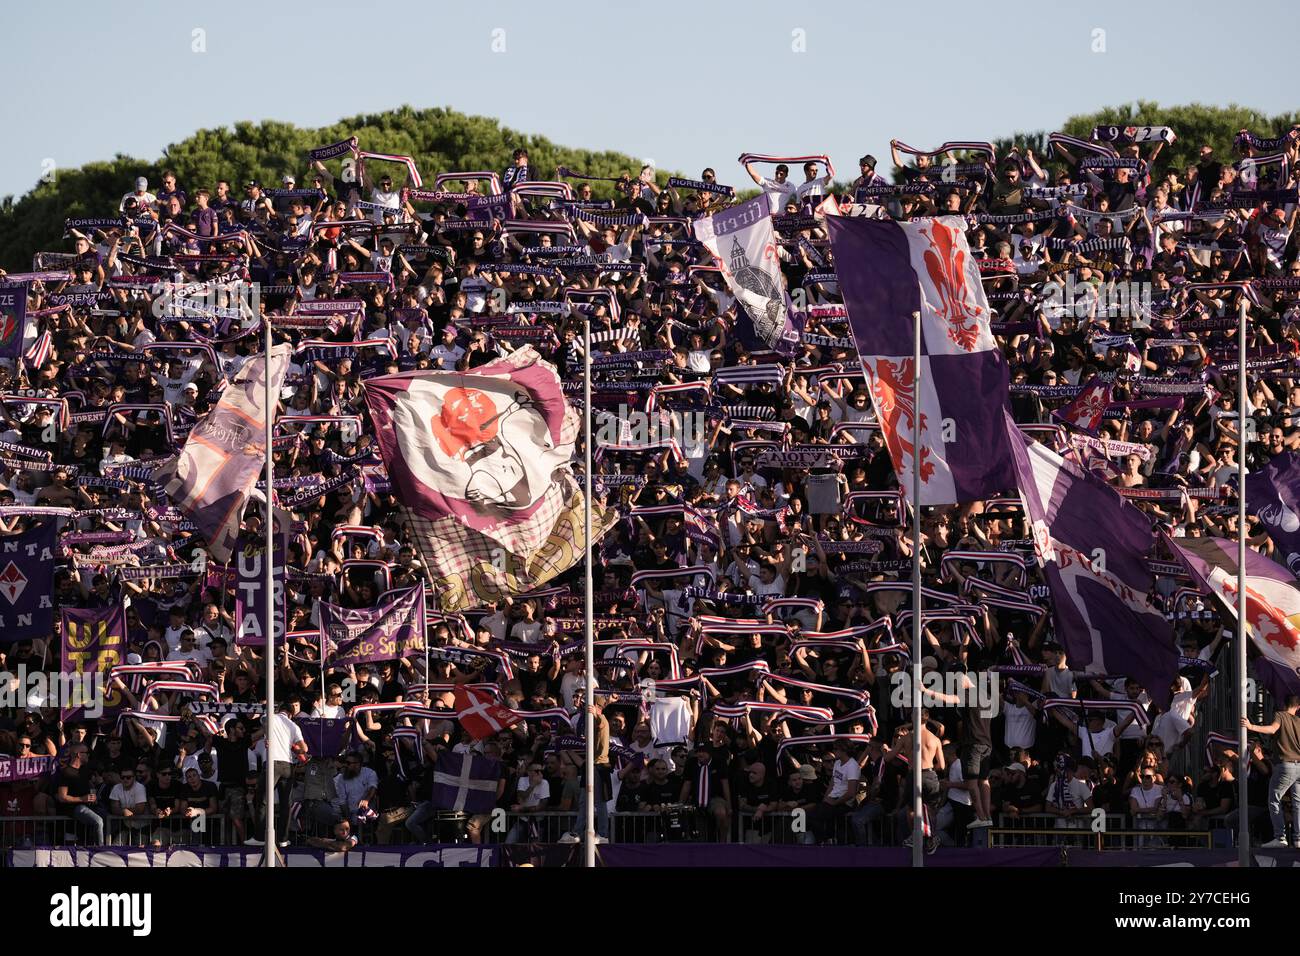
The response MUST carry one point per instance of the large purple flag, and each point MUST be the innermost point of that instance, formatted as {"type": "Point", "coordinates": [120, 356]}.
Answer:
{"type": "Point", "coordinates": [395, 628]}
{"type": "Point", "coordinates": [13, 318]}
{"type": "Point", "coordinates": [210, 479]}
{"type": "Point", "coordinates": [1092, 546]}
{"type": "Point", "coordinates": [887, 272]}
{"type": "Point", "coordinates": [26, 580]}
{"type": "Point", "coordinates": [1273, 495]}
{"type": "Point", "coordinates": [465, 782]}
{"type": "Point", "coordinates": [1272, 605]}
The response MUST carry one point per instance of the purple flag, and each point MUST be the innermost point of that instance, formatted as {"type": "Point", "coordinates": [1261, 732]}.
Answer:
{"type": "Point", "coordinates": [1092, 547]}
{"type": "Point", "coordinates": [395, 628]}
{"type": "Point", "coordinates": [888, 271]}
{"type": "Point", "coordinates": [1273, 494]}
{"type": "Point", "coordinates": [324, 735]}
{"type": "Point", "coordinates": [466, 782]}
{"type": "Point", "coordinates": [26, 579]}
{"type": "Point", "coordinates": [210, 479]}
{"type": "Point", "coordinates": [250, 602]}
{"type": "Point", "coordinates": [13, 318]}
{"type": "Point", "coordinates": [94, 642]}
{"type": "Point", "coordinates": [1272, 605]}
{"type": "Point", "coordinates": [24, 768]}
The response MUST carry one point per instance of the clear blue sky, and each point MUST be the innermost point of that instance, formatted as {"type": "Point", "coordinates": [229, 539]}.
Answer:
{"type": "Point", "coordinates": [87, 80]}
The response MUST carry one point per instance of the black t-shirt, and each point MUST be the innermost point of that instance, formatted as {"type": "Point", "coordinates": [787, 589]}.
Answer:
{"type": "Point", "coordinates": [1212, 794]}
{"type": "Point", "coordinates": [755, 793]}
{"type": "Point", "coordinates": [654, 794]}
{"type": "Point", "coordinates": [201, 796]}
{"type": "Point", "coordinates": [77, 781]}
{"type": "Point", "coordinates": [232, 761]}
{"type": "Point", "coordinates": [164, 797]}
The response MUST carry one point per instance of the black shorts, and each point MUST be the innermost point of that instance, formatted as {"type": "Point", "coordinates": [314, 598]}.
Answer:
{"type": "Point", "coordinates": [929, 788]}
{"type": "Point", "coordinates": [975, 762]}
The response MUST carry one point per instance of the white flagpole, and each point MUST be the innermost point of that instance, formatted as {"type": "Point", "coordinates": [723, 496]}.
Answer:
{"type": "Point", "coordinates": [271, 848]}
{"type": "Point", "coordinates": [918, 809]}
{"type": "Point", "coordinates": [1243, 758]}
{"type": "Point", "coordinates": [589, 695]}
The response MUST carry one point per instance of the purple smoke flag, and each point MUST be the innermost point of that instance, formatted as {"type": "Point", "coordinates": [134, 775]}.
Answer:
{"type": "Point", "coordinates": [465, 782]}
{"type": "Point", "coordinates": [13, 318]}
{"type": "Point", "coordinates": [1092, 547]}
{"type": "Point", "coordinates": [888, 271]}
{"type": "Point", "coordinates": [743, 242]}
{"type": "Point", "coordinates": [209, 481]}
{"type": "Point", "coordinates": [1273, 494]}
{"type": "Point", "coordinates": [26, 579]}
{"type": "Point", "coordinates": [94, 642]}
{"type": "Point", "coordinates": [1272, 605]}
{"type": "Point", "coordinates": [395, 628]}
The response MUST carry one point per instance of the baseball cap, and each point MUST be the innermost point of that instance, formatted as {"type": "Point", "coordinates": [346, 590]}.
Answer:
{"type": "Point", "coordinates": [1014, 767]}
{"type": "Point", "coordinates": [807, 772]}
{"type": "Point", "coordinates": [141, 183]}
{"type": "Point", "coordinates": [288, 178]}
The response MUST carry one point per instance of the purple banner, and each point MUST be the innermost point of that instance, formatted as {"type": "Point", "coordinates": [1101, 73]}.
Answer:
{"type": "Point", "coordinates": [324, 735]}
{"type": "Point", "coordinates": [13, 319]}
{"type": "Point", "coordinates": [24, 768]}
{"type": "Point", "coordinates": [394, 629]}
{"type": "Point", "coordinates": [26, 580]}
{"type": "Point", "coordinates": [250, 594]}
{"type": "Point", "coordinates": [94, 642]}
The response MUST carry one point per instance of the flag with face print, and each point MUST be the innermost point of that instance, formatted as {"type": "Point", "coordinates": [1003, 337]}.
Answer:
{"type": "Point", "coordinates": [481, 461]}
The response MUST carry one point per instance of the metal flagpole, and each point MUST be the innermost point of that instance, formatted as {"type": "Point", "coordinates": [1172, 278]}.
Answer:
{"type": "Point", "coordinates": [1243, 758]}
{"type": "Point", "coordinates": [589, 695]}
{"type": "Point", "coordinates": [918, 809]}
{"type": "Point", "coordinates": [268, 561]}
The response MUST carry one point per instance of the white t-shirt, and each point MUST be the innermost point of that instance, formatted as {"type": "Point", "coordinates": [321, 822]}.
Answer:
{"type": "Point", "coordinates": [284, 734]}
{"type": "Point", "coordinates": [530, 632]}
{"type": "Point", "coordinates": [130, 797]}
{"type": "Point", "coordinates": [541, 793]}
{"type": "Point", "coordinates": [846, 775]}
{"type": "Point", "coordinates": [1103, 740]}
{"type": "Point", "coordinates": [392, 200]}
{"type": "Point", "coordinates": [1021, 727]}
{"type": "Point", "coordinates": [779, 191]}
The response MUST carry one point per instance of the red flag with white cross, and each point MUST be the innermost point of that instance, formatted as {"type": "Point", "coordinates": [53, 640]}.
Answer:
{"type": "Point", "coordinates": [480, 714]}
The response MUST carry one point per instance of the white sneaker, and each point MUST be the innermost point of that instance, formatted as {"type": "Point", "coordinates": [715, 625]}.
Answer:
{"type": "Point", "coordinates": [979, 824]}
{"type": "Point", "coordinates": [1279, 844]}
{"type": "Point", "coordinates": [254, 841]}
{"type": "Point", "coordinates": [570, 837]}
{"type": "Point", "coordinates": [601, 839]}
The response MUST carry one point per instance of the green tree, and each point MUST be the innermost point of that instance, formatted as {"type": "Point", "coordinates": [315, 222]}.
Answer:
{"type": "Point", "coordinates": [440, 140]}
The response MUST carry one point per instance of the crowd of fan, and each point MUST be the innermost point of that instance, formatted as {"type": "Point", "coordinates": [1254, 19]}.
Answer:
{"type": "Point", "coordinates": [680, 741]}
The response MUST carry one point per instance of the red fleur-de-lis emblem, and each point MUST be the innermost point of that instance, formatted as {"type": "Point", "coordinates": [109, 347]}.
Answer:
{"type": "Point", "coordinates": [946, 265]}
